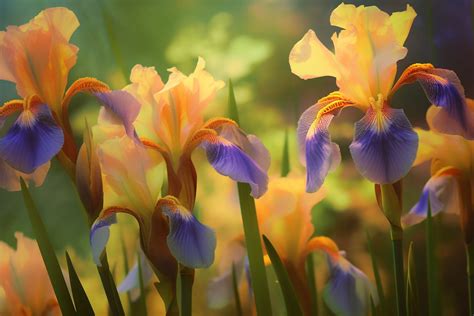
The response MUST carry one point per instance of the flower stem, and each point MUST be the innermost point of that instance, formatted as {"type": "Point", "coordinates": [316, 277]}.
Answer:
{"type": "Point", "coordinates": [470, 275]}
{"type": "Point", "coordinates": [433, 294]}
{"type": "Point", "coordinates": [187, 279]}
{"type": "Point", "coordinates": [396, 235]}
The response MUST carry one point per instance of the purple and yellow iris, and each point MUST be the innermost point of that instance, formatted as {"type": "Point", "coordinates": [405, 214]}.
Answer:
{"type": "Point", "coordinates": [451, 186]}
{"type": "Point", "coordinates": [149, 127]}
{"type": "Point", "coordinates": [37, 57]}
{"type": "Point", "coordinates": [286, 207]}
{"type": "Point", "coordinates": [364, 64]}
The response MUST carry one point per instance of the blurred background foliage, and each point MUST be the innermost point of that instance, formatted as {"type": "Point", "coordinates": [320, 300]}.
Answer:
{"type": "Point", "coordinates": [248, 41]}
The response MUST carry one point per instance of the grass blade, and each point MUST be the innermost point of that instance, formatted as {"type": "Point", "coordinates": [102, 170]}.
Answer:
{"type": "Point", "coordinates": [412, 296]}
{"type": "Point", "coordinates": [47, 252]}
{"type": "Point", "coordinates": [289, 294]}
{"type": "Point", "coordinates": [110, 288]}
{"type": "Point", "coordinates": [378, 280]}
{"type": "Point", "coordinates": [312, 285]}
{"type": "Point", "coordinates": [81, 301]}
{"type": "Point", "coordinates": [252, 234]}
{"type": "Point", "coordinates": [285, 161]}
{"type": "Point", "coordinates": [235, 288]}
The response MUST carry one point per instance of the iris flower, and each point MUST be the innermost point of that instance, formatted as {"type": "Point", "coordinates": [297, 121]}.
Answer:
{"type": "Point", "coordinates": [287, 207]}
{"type": "Point", "coordinates": [37, 57]}
{"type": "Point", "coordinates": [451, 184]}
{"type": "Point", "coordinates": [25, 288]}
{"type": "Point", "coordinates": [364, 63]}
{"type": "Point", "coordinates": [154, 127]}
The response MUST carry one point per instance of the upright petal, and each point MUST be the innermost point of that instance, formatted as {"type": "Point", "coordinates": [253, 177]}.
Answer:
{"type": "Point", "coordinates": [230, 160]}
{"type": "Point", "coordinates": [37, 55]}
{"type": "Point", "coordinates": [33, 140]}
{"type": "Point", "coordinates": [384, 145]}
{"type": "Point", "coordinates": [440, 193]}
{"type": "Point", "coordinates": [401, 23]}
{"type": "Point", "coordinates": [191, 243]}
{"type": "Point", "coordinates": [309, 58]}
{"type": "Point", "coordinates": [348, 291]}
{"type": "Point", "coordinates": [321, 155]}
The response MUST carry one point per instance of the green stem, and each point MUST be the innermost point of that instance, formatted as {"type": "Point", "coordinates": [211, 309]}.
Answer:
{"type": "Point", "coordinates": [235, 288]}
{"type": "Point", "coordinates": [396, 234]}
{"type": "Point", "coordinates": [470, 275]}
{"type": "Point", "coordinates": [433, 295]}
{"type": "Point", "coordinates": [187, 280]}
{"type": "Point", "coordinates": [312, 284]}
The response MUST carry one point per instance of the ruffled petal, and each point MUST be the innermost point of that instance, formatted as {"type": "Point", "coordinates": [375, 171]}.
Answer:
{"type": "Point", "coordinates": [121, 106]}
{"type": "Point", "coordinates": [191, 243]}
{"type": "Point", "coordinates": [309, 58]}
{"type": "Point", "coordinates": [348, 291]}
{"type": "Point", "coordinates": [384, 145]}
{"type": "Point", "coordinates": [99, 236]}
{"type": "Point", "coordinates": [33, 140]}
{"type": "Point", "coordinates": [440, 193]}
{"type": "Point", "coordinates": [321, 155]}
{"type": "Point", "coordinates": [231, 160]}
{"type": "Point", "coordinates": [402, 22]}
{"type": "Point", "coordinates": [10, 178]}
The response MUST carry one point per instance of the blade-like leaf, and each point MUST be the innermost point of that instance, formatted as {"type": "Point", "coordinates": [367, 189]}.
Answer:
{"type": "Point", "coordinates": [110, 288]}
{"type": "Point", "coordinates": [285, 161]}
{"type": "Point", "coordinates": [313, 288]}
{"type": "Point", "coordinates": [252, 233]}
{"type": "Point", "coordinates": [412, 296]}
{"type": "Point", "coordinates": [235, 288]}
{"type": "Point", "coordinates": [289, 294]}
{"type": "Point", "coordinates": [378, 280]}
{"type": "Point", "coordinates": [431, 268]}
{"type": "Point", "coordinates": [81, 301]}
{"type": "Point", "coordinates": [47, 252]}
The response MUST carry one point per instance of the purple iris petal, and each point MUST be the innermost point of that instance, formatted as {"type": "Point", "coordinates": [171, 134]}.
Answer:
{"type": "Point", "coordinates": [348, 290]}
{"type": "Point", "coordinates": [131, 283]}
{"type": "Point", "coordinates": [321, 154]}
{"type": "Point", "coordinates": [445, 90]}
{"type": "Point", "coordinates": [99, 236]}
{"type": "Point", "coordinates": [32, 140]}
{"type": "Point", "coordinates": [229, 160]}
{"type": "Point", "coordinates": [191, 243]}
{"type": "Point", "coordinates": [440, 194]}
{"type": "Point", "coordinates": [123, 105]}
{"type": "Point", "coordinates": [384, 145]}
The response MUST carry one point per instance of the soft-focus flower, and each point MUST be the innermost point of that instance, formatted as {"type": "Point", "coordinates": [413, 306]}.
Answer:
{"type": "Point", "coordinates": [24, 280]}
{"type": "Point", "coordinates": [451, 186]}
{"type": "Point", "coordinates": [37, 58]}
{"type": "Point", "coordinates": [364, 64]}
{"type": "Point", "coordinates": [284, 215]}
{"type": "Point", "coordinates": [148, 123]}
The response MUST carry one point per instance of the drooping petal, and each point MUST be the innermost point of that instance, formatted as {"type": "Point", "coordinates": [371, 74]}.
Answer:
{"type": "Point", "coordinates": [348, 291]}
{"type": "Point", "coordinates": [309, 58]}
{"type": "Point", "coordinates": [33, 140]}
{"type": "Point", "coordinates": [321, 155]}
{"type": "Point", "coordinates": [191, 243]}
{"type": "Point", "coordinates": [384, 145]}
{"type": "Point", "coordinates": [121, 106]}
{"type": "Point", "coordinates": [10, 178]}
{"type": "Point", "coordinates": [440, 193]}
{"type": "Point", "coordinates": [131, 283]}
{"type": "Point", "coordinates": [230, 160]}
{"type": "Point", "coordinates": [99, 236]}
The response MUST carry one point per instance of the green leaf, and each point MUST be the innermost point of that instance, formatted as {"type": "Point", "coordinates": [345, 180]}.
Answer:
{"type": "Point", "coordinates": [47, 252]}
{"type": "Point", "coordinates": [285, 161]}
{"type": "Point", "coordinates": [81, 301]}
{"type": "Point", "coordinates": [378, 280]}
{"type": "Point", "coordinates": [412, 296]}
{"type": "Point", "coordinates": [252, 234]}
{"type": "Point", "coordinates": [289, 294]}
{"type": "Point", "coordinates": [313, 288]}
{"type": "Point", "coordinates": [235, 289]}
{"type": "Point", "coordinates": [110, 288]}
